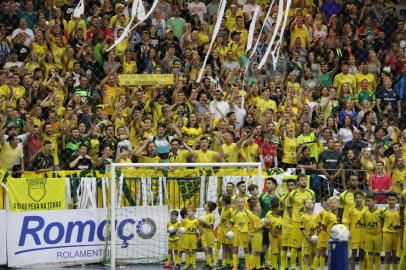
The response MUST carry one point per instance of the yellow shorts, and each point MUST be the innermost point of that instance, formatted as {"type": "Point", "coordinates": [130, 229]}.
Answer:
{"type": "Point", "coordinates": [322, 241]}
{"type": "Point", "coordinates": [221, 236]}
{"type": "Point", "coordinates": [373, 242]}
{"type": "Point", "coordinates": [208, 239]}
{"type": "Point", "coordinates": [356, 245]}
{"type": "Point", "coordinates": [275, 243]}
{"type": "Point", "coordinates": [308, 247]}
{"type": "Point", "coordinates": [286, 236]}
{"type": "Point", "coordinates": [240, 239]}
{"type": "Point", "coordinates": [390, 241]}
{"type": "Point", "coordinates": [189, 241]}
{"type": "Point", "coordinates": [173, 244]}
{"type": "Point", "coordinates": [256, 242]}
{"type": "Point", "coordinates": [296, 237]}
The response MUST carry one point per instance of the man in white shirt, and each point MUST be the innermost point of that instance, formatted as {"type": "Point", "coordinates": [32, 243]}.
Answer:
{"type": "Point", "coordinates": [23, 29]}
{"type": "Point", "coordinates": [197, 7]}
{"type": "Point", "coordinates": [218, 107]}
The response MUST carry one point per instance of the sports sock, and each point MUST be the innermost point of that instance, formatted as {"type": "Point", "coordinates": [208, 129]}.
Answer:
{"type": "Point", "coordinates": [322, 262]}
{"type": "Point", "coordinates": [362, 264]}
{"type": "Point", "coordinates": [247, 258]}
{"type": "Point", "coordinates": [370, 262]}
{"type": "Point", "coordinates": [378, 262]}
{"type": "Point", "coordinates": [235, 260]}
{"type": "Point", "coordinates": [274, 261]}
{"type": "Point", "coordinates": [293, 257]}
{"type": "Point", "coordinates": [169, 258]}
{"type": "Point", "coordinates": [284, 259]}
{"type": "Point", "coordinates": [209, 260]}
{"type": "Point", "coordinates": [316, 262]}
{"type": "Point", "coordinates": [194, 260]}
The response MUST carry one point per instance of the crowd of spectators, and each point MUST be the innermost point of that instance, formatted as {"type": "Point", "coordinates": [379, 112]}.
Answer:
{"type": "Point", "coordinates": [334, 105]}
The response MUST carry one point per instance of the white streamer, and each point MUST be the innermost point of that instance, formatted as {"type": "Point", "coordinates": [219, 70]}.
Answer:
{"type": "Point", "coordinates": [127, 28]}
{"type": "Point", "coordinates": [252, 27]}
{"type": "Point", "coordinates": [275, 32]}
{"type": "Point", "coordinates": [79, 9]}
{"type": "Point", "coordinates": [142, 17]}
{"type": "Point", "coordinates": [213, 38]}
{"type": "Point", "coordinates": [279, 44]}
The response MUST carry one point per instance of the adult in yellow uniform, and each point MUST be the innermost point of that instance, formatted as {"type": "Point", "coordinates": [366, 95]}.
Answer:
{"type": "Point", "coordinates": [347, 199]}
{"type": "Point", "coordinates": [296, 210]}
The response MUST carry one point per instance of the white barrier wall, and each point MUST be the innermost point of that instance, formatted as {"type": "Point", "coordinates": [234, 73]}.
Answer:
{"type": "Point", "coordinates": [3, 240]}
{"type": "Point", "coordinates": [71, 237]}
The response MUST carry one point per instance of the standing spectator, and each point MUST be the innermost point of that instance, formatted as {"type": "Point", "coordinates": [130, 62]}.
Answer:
{"type": "Point", "coordinates": [23, 29]}
{"type": "Point", "coordinates": [9, 152]}
{"type": "Point", "coordinates": [198, 8]}
{"type": "Point", "coordinates": [331, 165]}
{"type": "Point", "coordinates": [387, 94]}
{"type": "Point", "coordinates": [380, 183]}
{"type": "Point", "coordinates": [81, 160]}
{"type": "Point", "coordinates": [177, 23]}
{"type": "Point", "coordinates": [43, 160]}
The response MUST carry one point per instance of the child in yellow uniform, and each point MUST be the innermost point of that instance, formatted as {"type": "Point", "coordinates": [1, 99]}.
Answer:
{"type": "Point", "coordinates": [356, 226]}
{"type": "Point", "coordinates": [275, 232]}
{"type": "Point", "coordinates": [240, 221]}
{"type": "Point", "coordinates": [173, 240]}
{"type": "Point", "coordinates": [390, 229]}
{"type": "Point", "coordinates": [372, 217]}
{"type": "Point", "coordinates": [226, 244]}
{"type": "Point", "coordinates": [189, 241]}
{"type": "Point", "coordinates": [207, 225]}
{"type": "Point", "coordinates": [325, 223]}
{"type": "Point", "coordinates": [308, 228]}
{"type": "Point", "coordinates": [183, 215]}
{"type": "Point", "coordinates": [255, 233]}
{"type": "Point", "coordinates": [287, 223]}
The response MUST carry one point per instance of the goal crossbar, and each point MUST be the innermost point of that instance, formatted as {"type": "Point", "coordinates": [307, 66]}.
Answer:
{"type": "Point", "coordinates": [114, 166]}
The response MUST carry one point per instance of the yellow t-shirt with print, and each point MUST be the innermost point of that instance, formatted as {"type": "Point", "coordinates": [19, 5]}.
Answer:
{"type": "Point", "coordinates": [241, 221]}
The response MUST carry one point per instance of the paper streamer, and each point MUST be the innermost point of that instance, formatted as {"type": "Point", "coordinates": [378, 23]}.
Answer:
{"type": "Point", "coordinates": [275, 32]}
{"type": "Point", "coordinates": [252, 27]}
{"type": "Point", "coordinates": [79, 9]}
{"type": "Point", "coordinates": [260, 32]}
{"type": "Point", "coordinates": [213, 38]}
{"type": "Point", "coordinates": [143, 17]}
{"type": "Point", "coordinates": [127, 29]}
{"type": "Point", "coordinates": [279, 44]}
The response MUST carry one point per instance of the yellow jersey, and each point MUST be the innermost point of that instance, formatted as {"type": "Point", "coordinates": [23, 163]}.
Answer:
{"type": "Point", "coordinates": [359, 77]}
{"type": "Point", "coordinates": [289, 150]}
{"type": "Point", "coordinates": [264, 104]}
{"type": "Point", "coordinates": [356, 224]}
{"type": "Point", "coordinates": [250, 153]}
{"type": "Point", "coordinates": [174, 235]}
{"type": "Point", "coordinates": [255, 223]}
{"type": "Point", "coordinates": [208, 218]}
{"type": "Point", "coordinates": [225, 217]}
{"type": "Point", "coordinates": [275, 223]}
{"type": "Point", "coordinates": [190, 225]}
{"type": "Point", "coordinates": [207, 156]}
{"type": "Point", "coordinates": [309, 224]}
{"type": "Point", "coordinates": [391, 222]}
{"type": "Point", "coordinates": [346, 204]}
{"type": "Point", "coordinates": [402, 203]}
{"type": "Point", "coordinates": [329, 219]}
{"type": "Point", "coordinates": [230, 152]}
{"type": "Point", "coordinates": [283, 206]}
{"type": "Point", "coordinates": [373, 221]}
{"type": "Point", "coordinates": [180, 157]}
{"type": "Point", "coordinates": [241, 221]}
{"type": "Point", "coordinates": [342, 78]}
{"type": "Point", "coordinates": [296, 201]}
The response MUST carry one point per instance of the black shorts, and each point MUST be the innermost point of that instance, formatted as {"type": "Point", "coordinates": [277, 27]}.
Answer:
{"type": "Point", "coordinates": [265, 237]}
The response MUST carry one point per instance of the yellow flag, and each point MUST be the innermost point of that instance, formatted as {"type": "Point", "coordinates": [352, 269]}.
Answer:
{"type": "Point", "coordinates": [33, 194]}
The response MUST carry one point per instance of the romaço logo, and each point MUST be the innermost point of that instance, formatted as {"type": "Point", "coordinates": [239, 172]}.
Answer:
{"type": "Point", "coordinates": [36, 231]}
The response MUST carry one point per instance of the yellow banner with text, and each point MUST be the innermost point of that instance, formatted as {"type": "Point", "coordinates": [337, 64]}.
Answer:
{"type": "Point", "coordinates": [145, 79]}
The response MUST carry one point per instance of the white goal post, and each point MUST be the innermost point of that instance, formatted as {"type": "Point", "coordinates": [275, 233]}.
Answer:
{"type": "Point", "coordinates": [113, 188]}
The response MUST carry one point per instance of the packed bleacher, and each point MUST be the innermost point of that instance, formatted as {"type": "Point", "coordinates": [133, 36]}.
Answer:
{"type": "Point", "coordinates": [332, 107]}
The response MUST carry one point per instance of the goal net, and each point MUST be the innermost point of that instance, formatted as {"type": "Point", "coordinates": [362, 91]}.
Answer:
{"type": "Point", "coordinates": [143, 194]}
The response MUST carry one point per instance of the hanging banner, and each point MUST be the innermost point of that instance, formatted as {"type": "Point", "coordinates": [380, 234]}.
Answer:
{"type": "Point", "coordinates": [3, 238]}
{"type": "Point", "coordinates": [75, 237]}
{"type": "Point", "coordinates": [26, 194]}
{"type": "Point", "coordinates": [145, 79]}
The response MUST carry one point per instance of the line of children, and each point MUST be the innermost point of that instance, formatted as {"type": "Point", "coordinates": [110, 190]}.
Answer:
{"type": "Point", "coordinates": [372, 230]}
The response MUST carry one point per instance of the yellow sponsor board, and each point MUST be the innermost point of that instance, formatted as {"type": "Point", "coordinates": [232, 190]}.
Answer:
{"type": "Point", "coordinates": [145, 79]}
{"type": "Point", "coordinates": [34, 194]}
